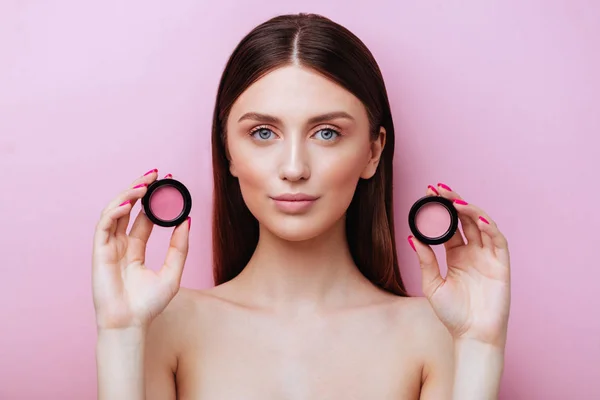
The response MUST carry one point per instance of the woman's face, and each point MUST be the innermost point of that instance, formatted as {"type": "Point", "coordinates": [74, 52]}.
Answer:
{"type": "Point", "coordinates": [296, 133]}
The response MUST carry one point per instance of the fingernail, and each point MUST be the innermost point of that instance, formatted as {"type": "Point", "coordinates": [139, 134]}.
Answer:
{"type": "Point", "coordinates": [168, 176]}
{"type": "Point", "coordinates": [433, 189]}
{"type": "Point", "coordinates": [151, 171]}
{"type": "Point", "coordinates": [125, 202]}
{"type": "Point", "coordinates": [459, 201]}
{"type": "Point", "coordinates": [484, 220]}
{"type": "Point", "coordinates": [444, 187]}
{"type": "Point", "coordinates": [140, 185]}
{"type": "Point", "coordinates": [411, 243]}
{"type": "Point", "coordinates": [189, 223]}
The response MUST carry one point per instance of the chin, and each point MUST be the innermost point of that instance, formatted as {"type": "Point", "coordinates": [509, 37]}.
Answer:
{"type": "Point", "coordinates": [295, 228]}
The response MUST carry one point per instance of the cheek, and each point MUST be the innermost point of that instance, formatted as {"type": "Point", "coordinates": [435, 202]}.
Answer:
{"type": "Point", "coordinates": [252, 172]}
{"type": "Point", "coordinates": [341, 170]}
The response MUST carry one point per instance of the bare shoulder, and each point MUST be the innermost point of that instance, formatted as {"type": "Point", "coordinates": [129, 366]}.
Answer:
{"type": "Point", "coordinates": [188, 312]}
{"type": "Point", "coordinates": [172, 335]}
{"type": "Point", "coordinates": [417, 312]}
{"type": "Point", "coordinates": [429, 338]}
{"type": "Point", "coordinates": [167, 322]}
{"type": "Point", "coordinates": [179, 320]}
{"type": "Point", "coordinates": [416, 315]}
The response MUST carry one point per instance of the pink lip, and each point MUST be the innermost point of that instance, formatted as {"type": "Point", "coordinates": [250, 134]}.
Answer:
{"type": "Point", "coordinates": [294, 202]}
{"type": "Point", "coordinates": [294, 197]}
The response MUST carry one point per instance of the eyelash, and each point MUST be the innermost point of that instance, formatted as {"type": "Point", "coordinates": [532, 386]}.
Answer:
{"type": "Point", "coordinates": [325, 128]}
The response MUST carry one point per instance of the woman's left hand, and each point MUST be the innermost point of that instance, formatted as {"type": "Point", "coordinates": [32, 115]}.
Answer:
{"type": "Point", "coordinates": [473, 300]}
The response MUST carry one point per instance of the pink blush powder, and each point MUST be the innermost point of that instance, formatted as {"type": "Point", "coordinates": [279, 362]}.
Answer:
{"type": "Point", "coordinates": [166, 203]}
{"type": "Point", "coordinates": [433, 220]}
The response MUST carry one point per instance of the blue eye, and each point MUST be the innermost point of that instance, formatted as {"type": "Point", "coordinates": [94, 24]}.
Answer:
{"type": "Point", "coordinates": [328, 134]}
{"type": "Point", "coordinates": [262, 134]}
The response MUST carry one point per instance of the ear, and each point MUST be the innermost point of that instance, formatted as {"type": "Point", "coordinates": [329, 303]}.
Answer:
{"type": "Point", "coordinates": [377, 146]}
{"type": "Point", "coordinates": [232, 169]}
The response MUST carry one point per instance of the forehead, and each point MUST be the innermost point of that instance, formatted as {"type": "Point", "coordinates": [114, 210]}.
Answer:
{"type": "Point", "coordinates": [296, 92]}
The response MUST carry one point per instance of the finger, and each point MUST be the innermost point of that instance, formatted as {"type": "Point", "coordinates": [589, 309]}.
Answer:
{"type": "Point", "coordinates": [134, 194]}
{"type": "Point", "coordinates": [430, 270]}
{"type": "Point", "coordinates": [108, 221]}
{"type": "Point", "coordinates": [491, 236]}
{"type": "Point", "coordinates": [472, 233]}
{"type": "Point", "coordinates": [471, 213]}
{"type": "Point", "coordinates": [172, 269]}
{"type": "Point", "coordinates": [136, 191]}
{"type": "Point", "coordinates": [168, 176]}
{"type": "Point", "coordinates": [138, 238]}
{"type": "Point", "coordinates": [469, 227]}
{"type": "Point", "coordinates": [456, 239]}
{"type": "Point", "coordinates": [118, 208]}
{"type": "Point", "coordinates": [432, 191]}
{"type": "Point", "coordinates": [147, 178]}
{"type": "Point", "coordinates": [490, 229]}
{"type": "Point", "coordinates": [487, 241]}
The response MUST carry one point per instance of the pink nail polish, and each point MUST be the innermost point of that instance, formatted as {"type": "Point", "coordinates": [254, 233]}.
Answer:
{"type": "Point", "coordinates": [411, 243]}
{"type": "Point", "coordinates": [462, 202]}
{"type": "Point", "coordinates": [484, 220]}
{"type": "Point", "coordinates": [140, 185]}
{"type": "Point", "coordinates": [125, 202]}
{"type": "Point", "coordinates": [433, 189]}
{"type": "Point", "coordinates": [444, 187]}
{"type": "Point", "coordinates": [189, 223]}
{"type": "Point", "coordinates": [151, 171]}
{"type": "Point", "coordinates": [167, 176]}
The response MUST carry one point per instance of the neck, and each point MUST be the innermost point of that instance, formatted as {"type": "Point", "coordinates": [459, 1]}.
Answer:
{"type": "Point", "coordinates": [310, 274]}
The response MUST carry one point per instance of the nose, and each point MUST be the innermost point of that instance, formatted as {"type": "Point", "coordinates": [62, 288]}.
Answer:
{"type": "Point", "coordinates": [294, 161]}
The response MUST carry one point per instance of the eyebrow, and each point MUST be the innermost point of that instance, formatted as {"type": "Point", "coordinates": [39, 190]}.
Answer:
{"type": "Point", "coordinates": [313, 120]}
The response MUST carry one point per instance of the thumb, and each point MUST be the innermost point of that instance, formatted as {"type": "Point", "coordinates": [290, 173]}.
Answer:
{"type": "Point", "coordinates": [430, 269]}
{"type": "Point", "coordinates": [177, 253]}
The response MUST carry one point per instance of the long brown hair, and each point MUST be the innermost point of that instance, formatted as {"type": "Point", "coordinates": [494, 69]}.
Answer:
{"type": "Point", "coordinates": [315, 42]}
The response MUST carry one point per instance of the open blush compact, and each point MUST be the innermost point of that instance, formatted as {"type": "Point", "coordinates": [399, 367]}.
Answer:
{"type": "Point", "coordinates": [433, 220]}
{"type": "Point", "coordinates": [167, 202]}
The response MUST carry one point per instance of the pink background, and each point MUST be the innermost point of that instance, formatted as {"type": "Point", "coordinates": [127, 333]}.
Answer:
{"type": "Point", "coordinates": [498, 99]}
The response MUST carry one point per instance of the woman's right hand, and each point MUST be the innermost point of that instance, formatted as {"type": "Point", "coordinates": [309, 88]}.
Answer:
{"type": "Point", "coordinates": [126, 293]}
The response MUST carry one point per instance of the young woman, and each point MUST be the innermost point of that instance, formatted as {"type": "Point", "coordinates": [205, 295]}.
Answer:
{"type": "Point", "coordinates": [308, 300]}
